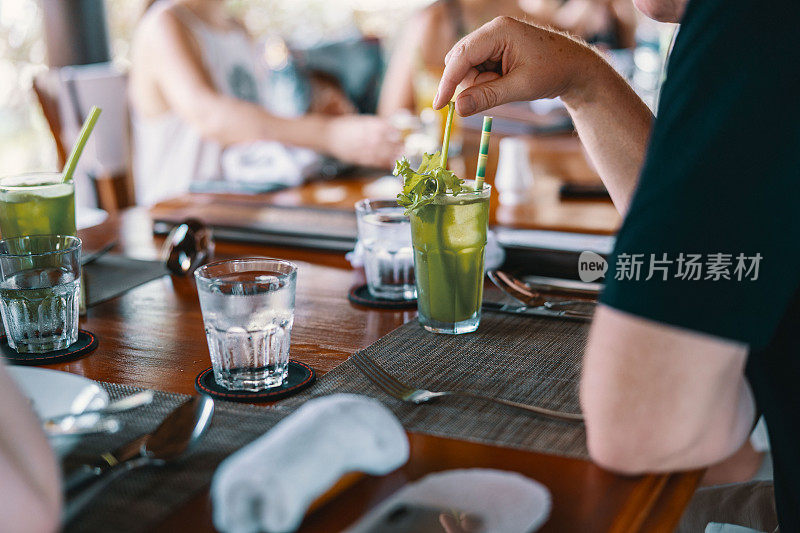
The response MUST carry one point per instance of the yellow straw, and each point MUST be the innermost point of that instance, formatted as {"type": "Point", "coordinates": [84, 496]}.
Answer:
{"type": "Point", "coordinates": [446, 141]}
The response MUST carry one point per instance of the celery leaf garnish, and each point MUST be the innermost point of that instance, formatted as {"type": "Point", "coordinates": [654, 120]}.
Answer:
{"type": "Point", "coordinates": [421, 186]}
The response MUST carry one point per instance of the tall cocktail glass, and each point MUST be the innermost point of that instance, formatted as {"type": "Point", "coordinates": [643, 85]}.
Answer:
{"type": "Point", "coordinates": [36, 204]}
{"type": "Point", "coordinates": [449, 239]}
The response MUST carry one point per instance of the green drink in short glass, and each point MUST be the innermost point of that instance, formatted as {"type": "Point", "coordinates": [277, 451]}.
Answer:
{"type": "Point", "coordinates": [36, 204]}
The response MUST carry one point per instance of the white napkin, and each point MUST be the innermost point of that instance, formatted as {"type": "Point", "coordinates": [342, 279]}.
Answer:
{"type": "Point", "coordinates": [269, 484]}
{"type": "Point", "coordinates": [269, 162]}
{"type": "Point", "coordinates": [503, 501]}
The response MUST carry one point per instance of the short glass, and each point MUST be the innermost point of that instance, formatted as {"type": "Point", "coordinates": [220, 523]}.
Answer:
{"type": "Point", "coordinates": [449, 237]}
{"type": "Point", "coordinates": [39, 291]}
{"type": "Point", "coordinates": [384, 232]}
{"type": "Point", "coordinates": [36, 204]}
{"type": "Point", "coordinates": [248, 312]}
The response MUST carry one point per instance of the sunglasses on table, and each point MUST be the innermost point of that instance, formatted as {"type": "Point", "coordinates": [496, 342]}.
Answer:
{"type": "Point", "coordinates": [187, 247]}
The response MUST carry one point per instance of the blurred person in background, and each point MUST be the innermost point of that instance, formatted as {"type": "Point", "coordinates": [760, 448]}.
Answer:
{"type": "Point", "coordinates": [29, 473]}
{"type": "Point", "coordinates": [198, 88]}
{"type": "Point", "coordinates": [607, 24]}
{"type": "Point", "coordinates": [417, 62]}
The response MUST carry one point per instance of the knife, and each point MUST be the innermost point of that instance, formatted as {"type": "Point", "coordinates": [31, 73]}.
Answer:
{"type": "Point", "coordinates": [535, 311]}
{"type": "Point", "coordinates": [176, 434]}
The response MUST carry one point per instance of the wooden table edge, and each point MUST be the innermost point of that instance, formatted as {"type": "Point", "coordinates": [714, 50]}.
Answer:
{"type": "Point", "coordinates": [657, 503]}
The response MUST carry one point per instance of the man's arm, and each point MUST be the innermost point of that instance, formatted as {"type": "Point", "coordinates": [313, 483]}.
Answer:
{"type": "Point", "coordinates": [507, 60]}
{"type": "Point", "coordinates": [661, 398]}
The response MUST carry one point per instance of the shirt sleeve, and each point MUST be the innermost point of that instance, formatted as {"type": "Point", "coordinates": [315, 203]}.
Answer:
{"type": "Point", "coordinates": [715, 221]}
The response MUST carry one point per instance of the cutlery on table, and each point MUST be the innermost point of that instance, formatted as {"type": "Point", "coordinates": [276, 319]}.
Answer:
{"type": "Point", "coordinates": [552, 286]}
{"type": "Point", "coordinates": [536, 311]}
{"type": "Point", "coordinates": [176, 434]}
{"type": "Point", "coordinates": [519, 291]}
{"type": "Point", "coordinates": [536, 303]}
{"type": "Point", "coordinates": [94, 256]}
{"type": "Point", "coordinates": [65, 421]}
{"type": "Point", "coordinates": [104, 425]}
{"type": "Point", "coordinates": [403, 392]}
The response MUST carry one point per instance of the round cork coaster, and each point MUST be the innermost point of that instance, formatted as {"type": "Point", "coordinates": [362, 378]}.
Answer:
{"type": "Point", "coordinates": [361, 296]}
{"type": "Point", "coordinates": [86, 343]}
{"type": "Point", "coordinates": [300, 377]}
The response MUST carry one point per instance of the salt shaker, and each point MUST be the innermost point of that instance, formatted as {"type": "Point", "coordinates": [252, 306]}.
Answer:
{"type": "Point", "coordinates": [514, 174]}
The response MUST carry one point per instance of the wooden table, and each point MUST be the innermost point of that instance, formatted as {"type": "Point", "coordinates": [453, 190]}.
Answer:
{"type": "Point", "coordinates": [153, 337]}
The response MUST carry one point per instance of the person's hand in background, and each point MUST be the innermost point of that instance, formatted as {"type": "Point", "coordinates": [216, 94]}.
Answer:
{"type": "Point", "coordinates": [364, 140]}
{"type": "Point", "coordinates": [507, 60]}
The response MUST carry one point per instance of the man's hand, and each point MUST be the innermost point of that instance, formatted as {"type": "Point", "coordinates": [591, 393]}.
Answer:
{"type": "Point", "coordinates": [507, 60]}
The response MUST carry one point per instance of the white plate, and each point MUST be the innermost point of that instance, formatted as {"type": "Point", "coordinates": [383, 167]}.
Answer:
{"type": "Point", "coordinates": [504, 501]}
{"type": "Point", "coordinates": [53, 392]}
{"type": "Point", "coordinates": [86, 217]}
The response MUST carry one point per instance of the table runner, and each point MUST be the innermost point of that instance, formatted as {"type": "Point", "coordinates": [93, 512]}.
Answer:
{"type": "Point", "coordinates": [146, 497]}
{"type": "Point", "coordinates": [524, 359]}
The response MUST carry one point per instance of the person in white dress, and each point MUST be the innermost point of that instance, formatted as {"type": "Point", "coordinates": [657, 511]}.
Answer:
{"type": "Point", "coordinates": [197, 87]}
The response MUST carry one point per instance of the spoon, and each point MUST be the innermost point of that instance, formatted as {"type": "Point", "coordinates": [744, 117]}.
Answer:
{"type": "Point", "coordinates": [176, 435]}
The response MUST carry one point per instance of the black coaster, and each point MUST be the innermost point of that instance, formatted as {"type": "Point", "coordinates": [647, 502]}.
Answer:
{"type": "Point", "coordinates": [362, 296]}
{"type": "Point", "coordinates": [86, 343]}
{"type": "Point", "coordinates": [300, 377]}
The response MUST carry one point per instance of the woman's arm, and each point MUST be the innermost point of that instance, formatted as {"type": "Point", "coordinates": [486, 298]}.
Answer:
{"type": "Point", "coordinates": [29, 473]}
{"type": "Point", "coordinates": [424, 42]}
{"type": "Point", "coordinates": [397, 89]}
{"type": "Point", "coordinates": [167, 49]}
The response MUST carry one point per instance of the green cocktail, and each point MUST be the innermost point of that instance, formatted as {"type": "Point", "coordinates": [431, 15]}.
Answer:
{"type": "Point", "coordinates": [449, 238]}
{"type": "Point", "coordinates": [36, 204]}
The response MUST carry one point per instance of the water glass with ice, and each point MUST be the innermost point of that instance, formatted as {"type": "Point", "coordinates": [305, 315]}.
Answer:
{"type": "Point", "coordinates": [385, 236]}
{"type": "Point", "coordinates": [248, 312]}
{"type": "Point", "coordinates": [39, 291]}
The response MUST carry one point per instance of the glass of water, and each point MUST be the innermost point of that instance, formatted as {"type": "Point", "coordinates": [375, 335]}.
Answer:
{"type": "Point", "coordinates": [248, 312]}
{"type": "Point", "coordinates": [385, 236]}
{"type": "Point", "coordinates": [39, 291]}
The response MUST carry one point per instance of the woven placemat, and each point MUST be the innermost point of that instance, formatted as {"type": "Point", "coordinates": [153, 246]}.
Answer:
{"type": "Point", "coordinates": [146, 497]}
{"type": "Point", "coordinates": [524, 359]}
{"type": "Point", "coordinates": [112, 275]}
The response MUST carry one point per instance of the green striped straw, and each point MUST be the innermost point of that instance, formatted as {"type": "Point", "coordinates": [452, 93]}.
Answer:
{"type": "Point", "coordinates": [77, 150]}
{"type": "Point", "coordinates": [483, 153]}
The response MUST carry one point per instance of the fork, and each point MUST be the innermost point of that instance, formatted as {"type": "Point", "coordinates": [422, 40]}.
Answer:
{"type": "Point", "coordinates": [529, 298]}
{"type": "Point", "coordinates": [404, 393]}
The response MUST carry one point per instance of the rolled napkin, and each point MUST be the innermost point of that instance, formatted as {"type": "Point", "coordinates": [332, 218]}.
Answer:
{"type": "Point", "coordinates": [269, 484]}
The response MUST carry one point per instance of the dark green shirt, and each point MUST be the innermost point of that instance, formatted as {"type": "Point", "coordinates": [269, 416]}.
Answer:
{"type": "Point", "coordinates": [717, 210]}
